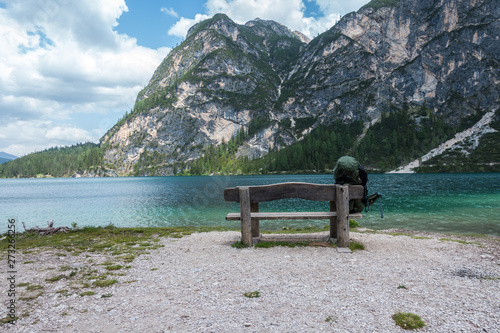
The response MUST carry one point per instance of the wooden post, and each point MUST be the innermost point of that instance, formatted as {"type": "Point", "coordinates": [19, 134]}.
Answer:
{"type": "Point", "coordinates": [333, 221]}
{"type": "Point", "coordinates": [254, 208]}
{"type": "Point", "coordinates": [342, 200]}
{"type": "Point", "coordinates": [246, 220]}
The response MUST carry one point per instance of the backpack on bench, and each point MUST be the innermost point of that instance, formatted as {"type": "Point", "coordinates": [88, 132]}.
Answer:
{"type": "Point", "coordinates": [349, 171]}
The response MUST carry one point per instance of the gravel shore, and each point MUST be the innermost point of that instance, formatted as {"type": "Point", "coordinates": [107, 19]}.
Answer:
{"type": "Point", "coordinates": [197, 284]}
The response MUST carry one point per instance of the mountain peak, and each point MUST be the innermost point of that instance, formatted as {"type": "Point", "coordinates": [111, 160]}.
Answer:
{"type": "Point", "coordinates": [215, 22]}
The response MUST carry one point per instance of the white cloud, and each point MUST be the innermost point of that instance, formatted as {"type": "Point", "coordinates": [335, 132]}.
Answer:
{"type": "Point", "coordinates": [182, 26]}
{"type": "Point", "coordinates": [22, 137]}
{"type": "Point", "coordinates": [287, 12]}
{"type": "Point", "coordinates": [170, 11]}
{"type": "Point", "coordinates": [339, 6]}
{"type": "Point", "coordinates": [65, 73]}
{"type": "Point", "coordinates": [290, 13]}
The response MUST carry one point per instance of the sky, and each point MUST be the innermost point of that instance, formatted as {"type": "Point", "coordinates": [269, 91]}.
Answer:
{"type": "Point", "coordinates": [69, 70]}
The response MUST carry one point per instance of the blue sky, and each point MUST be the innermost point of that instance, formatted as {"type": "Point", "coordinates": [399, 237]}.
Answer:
{"type": "Point", "coordinates": [70, 69]}
{"type": "Point", "coordinates": [146, 21]}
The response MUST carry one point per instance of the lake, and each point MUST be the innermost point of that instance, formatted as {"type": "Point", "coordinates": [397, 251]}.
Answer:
{"type": "Point", "coordinates": [447, 203]}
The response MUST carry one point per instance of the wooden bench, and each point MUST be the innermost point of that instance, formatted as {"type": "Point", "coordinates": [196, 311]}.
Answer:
{"type": "Point", "coordinates": [249, 198]}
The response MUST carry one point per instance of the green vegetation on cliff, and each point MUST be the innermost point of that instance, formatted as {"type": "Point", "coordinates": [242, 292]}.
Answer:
{"type": "Point", "coordinates": [317, 152]}
{"type": "Point", "coordinates": [376, 4]}
{"type": "Point", "coordinates": [401, 137]}
{"type": "Point", "coordinates": [398, 138]}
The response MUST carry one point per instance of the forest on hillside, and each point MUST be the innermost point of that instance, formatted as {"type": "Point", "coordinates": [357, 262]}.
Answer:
{"type": "Point", "coordinates": [56, 162]}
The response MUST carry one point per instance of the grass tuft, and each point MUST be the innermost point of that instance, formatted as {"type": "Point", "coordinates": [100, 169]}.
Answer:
{"type": "Point", "coordinates": [87, 293]}
{"type": "Point", "coordinates": [355, 246]}
{"type": "Point", "coordinates": [107, 239]}
{"type": "Point", "coordinates": [252, 294]}
{"type": "Point", "coordinates": [55, 278]}
{"type": "Point", "coordinates": [238, 245]}
{"type": "Point", "coordinates": [114, 267]}
{"type": "Point", "coordinates": [408, 321]}
{"type": "Point", "coordinates": [458, 241]}
{"type": "Point", "coordinates": [104, 283]}
{"type": "Point", "coordinates": [30, 298]}
{"type": "Point", "coordinates": [330, 319]}
{"type": "Point", "coordinates": [7, 320]}
{"type": "Point", "coordinates": [268, 244]}
{"type": "Point", "coordinates": [353, 224]}
{"type": "Point", "coordinates": [34, 287]}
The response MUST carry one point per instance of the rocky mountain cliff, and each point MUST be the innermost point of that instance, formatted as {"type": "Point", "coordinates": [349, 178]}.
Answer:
{"type": "Point", "coordinates": [409, 75]}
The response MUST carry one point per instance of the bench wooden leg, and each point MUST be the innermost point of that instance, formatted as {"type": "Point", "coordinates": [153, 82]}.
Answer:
{"type": "Point", "coordinates": [246, 220]}
{"type": "Point", "coordinates": [342, 194]}
{"type": "Point", "coordinates": [254, 208]}
{"type": "Point", "coordinates": [333, 221]}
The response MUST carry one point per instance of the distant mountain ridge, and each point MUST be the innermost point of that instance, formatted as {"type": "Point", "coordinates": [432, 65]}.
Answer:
{"type": "Point", "coordinates": [6, 157]}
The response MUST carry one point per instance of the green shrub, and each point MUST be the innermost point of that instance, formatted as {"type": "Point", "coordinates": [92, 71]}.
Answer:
{"type": "Point", "coordinates": [408, 321]}
{"type": "Point", "coordinates": [252, 294]}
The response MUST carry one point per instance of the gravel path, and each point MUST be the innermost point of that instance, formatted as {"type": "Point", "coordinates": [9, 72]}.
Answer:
{"type": "Point", "coordinates": [197, 284]}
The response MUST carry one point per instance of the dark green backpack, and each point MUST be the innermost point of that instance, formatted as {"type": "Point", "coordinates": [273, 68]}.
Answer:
{"type": "Point", "coordinates": [349, 171]}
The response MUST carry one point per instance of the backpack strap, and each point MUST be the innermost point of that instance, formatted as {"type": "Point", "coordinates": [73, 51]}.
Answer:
{"type": "Point", "coordinates": [363, 176]}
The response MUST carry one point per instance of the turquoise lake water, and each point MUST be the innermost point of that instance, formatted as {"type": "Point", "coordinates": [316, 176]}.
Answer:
{"type": "Point", "coordinates": [448, 203]}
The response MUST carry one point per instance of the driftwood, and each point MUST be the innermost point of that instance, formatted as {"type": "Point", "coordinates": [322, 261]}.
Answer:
{"type": "Point", "coordinates": [50, 230]}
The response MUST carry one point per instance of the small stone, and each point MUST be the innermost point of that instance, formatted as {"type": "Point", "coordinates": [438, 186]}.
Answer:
{"type": "Point", "coordinates": [247, 324]}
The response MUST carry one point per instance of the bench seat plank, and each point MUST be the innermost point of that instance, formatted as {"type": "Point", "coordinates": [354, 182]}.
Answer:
{"type": "Point", "coordinates": [290, 216]}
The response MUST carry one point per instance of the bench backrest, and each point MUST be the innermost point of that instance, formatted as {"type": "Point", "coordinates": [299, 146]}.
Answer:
{"type": "Point", "coordinates": [317, 192]}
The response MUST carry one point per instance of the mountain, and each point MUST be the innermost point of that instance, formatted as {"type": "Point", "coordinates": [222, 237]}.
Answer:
{"type": "Point", "coordinates": [392, 83]}
{"type": "Point", "coordinates": [5, 157]}
{"type": "Point", "coordinates": [222, 79]}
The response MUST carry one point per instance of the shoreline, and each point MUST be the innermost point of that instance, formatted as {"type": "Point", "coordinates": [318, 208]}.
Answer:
{"type": "Point", "coordinates": [288, 231]}
{"type": "Point", "coordinates": [282, 173]}
{"type": "Point", "coordinates": [197, 282]}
